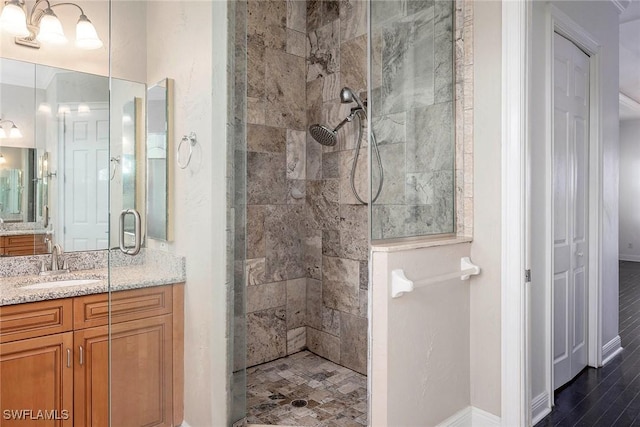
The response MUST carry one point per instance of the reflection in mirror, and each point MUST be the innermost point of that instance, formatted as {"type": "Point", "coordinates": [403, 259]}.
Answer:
{"type": "Point", "coordinates": [17, 189]}
{"type": "Point", "coordinates": [127, 158]}
{"type": "Point", "coordinates": [159, 160]}
{"type": "Point", "coordinates": [69, 140]}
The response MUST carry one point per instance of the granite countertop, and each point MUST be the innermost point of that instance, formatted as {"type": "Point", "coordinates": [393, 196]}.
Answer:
{"type": "Point", "coordinates": [22, 232]}
{"type": "Point", "coordinates": [125, 277]}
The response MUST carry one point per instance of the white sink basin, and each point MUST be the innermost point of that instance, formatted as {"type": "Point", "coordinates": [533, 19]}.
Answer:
{"type": "Point", "coordinates": [61, 283]}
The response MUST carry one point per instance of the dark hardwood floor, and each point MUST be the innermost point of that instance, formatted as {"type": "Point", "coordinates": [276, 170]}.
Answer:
{"type": "Point", "coordinates": [609, 396]}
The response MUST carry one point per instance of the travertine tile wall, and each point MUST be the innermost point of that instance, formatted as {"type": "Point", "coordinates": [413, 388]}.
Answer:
{"type": "Point", "coordinates": [413, 117]}
{"type": "Point", "coordinates": [337, 248]}
{"type": "Point", "coordinates": [276, 219]}
{"type": "Point", "coordinates": [307, 236]}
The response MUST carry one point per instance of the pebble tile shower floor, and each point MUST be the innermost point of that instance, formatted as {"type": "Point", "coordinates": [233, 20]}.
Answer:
{"type": "Point", "coordinates": [335, 396]}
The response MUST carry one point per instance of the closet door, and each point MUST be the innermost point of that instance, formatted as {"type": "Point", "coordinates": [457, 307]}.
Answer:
{"type": "Point", "coordinates": [570, 202]}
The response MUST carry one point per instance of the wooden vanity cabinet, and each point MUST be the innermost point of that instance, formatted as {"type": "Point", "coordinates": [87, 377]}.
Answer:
{"type": "Point", "coordinates": [23, 244]}
{"type": "Point", "coordinates": [35, 376]}
{"type": "Point", "coordinates": [146, 360]}
{"type": "Point", "coordinates": [36, 370]}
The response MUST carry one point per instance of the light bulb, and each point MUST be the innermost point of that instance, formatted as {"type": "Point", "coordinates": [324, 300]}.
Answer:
{"type": "Point", "coordinates": [44, 108]}
{"type": "Point", "coordinates": [63, 109]}
{"type": "Point", "coordinates": [2, 159]}
{"type": "Point", "coordinates": [13, 19]}
{"type": "Point", "coordinates": [86, 35]}
{"type": "Point", "coordinates": [51, 29]}
{"type": "Point", "coordinates": [14, 132]}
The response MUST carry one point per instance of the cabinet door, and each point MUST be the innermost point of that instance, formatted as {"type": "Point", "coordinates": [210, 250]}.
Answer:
{"type": "Point", "coordinates": [36, 382]}
{"type": "Point", "coordinates": [141, 374]}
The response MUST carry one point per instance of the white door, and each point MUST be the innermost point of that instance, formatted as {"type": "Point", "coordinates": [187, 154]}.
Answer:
{"type": "Point", "coordinates": [570, 201]}
{"type": "Point", "coordinates": [86, 180]}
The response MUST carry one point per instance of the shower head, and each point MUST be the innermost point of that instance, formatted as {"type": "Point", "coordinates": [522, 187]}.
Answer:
{"type": "Point", "coordinates": [324, 135]}
{"type": "Point", "coordinates": [347, 95]}
{"type": "Point", "coordinates": [327, 136]}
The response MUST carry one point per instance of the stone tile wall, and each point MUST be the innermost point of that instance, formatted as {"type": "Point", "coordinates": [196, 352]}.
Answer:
{"type": "Point", "coordinates": [276, 172]}
{"type": "Point", "coordinates": [338, 235]}
{"type": "Point", "coordinates": [413, 117]}
{"type": "Point", "coordinates": [307, 236]}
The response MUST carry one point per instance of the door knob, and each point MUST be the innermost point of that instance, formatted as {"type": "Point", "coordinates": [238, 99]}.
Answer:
{"type": "Point", "coordinates": [580, 254]}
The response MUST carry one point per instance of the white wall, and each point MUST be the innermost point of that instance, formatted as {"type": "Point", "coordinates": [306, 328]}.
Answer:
{"type": "Point", "coordinates": [420, 341]}
{"type": "Point", "coordinates": [187, 41]}
{"type": "Point", "coordinates": [485, 342]}
{"type": "Point", "coordinates": [485, 296]}
{"type": "Point", "coordinates": [630, 190]}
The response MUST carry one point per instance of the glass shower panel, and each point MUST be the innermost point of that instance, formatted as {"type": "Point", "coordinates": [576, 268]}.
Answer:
{"type": "Point", "coordinates": [236, 200]}
{"type": "Point", "coordinates": [168, 331]}
{"type": "Point", "coordinates": [412, 117]}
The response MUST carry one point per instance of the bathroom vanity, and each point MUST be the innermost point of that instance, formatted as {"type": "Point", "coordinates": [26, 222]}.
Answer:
{"type": "Point", "coordinates": [61, 347]}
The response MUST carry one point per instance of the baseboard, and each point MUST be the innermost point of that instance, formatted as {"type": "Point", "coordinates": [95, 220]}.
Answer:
{"type": "Point", "coordinates": [540, 407]}
{"type": "Point", "coordinates": [625, 257]}
{"type": "Point", "coordinates": [611, 349]}
{"type": "Point", "coordinates": [471, 417]}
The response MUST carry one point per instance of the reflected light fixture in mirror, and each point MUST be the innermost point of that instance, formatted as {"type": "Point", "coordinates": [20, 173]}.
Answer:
{"type": "Point", "coordinates": [43, 26]}
{"type": "Point", "coordinates": [14, 132]}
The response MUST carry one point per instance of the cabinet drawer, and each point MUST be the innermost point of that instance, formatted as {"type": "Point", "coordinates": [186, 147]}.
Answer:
{"type": "Point", "coordinates": [93, 310]}
{"type": "Point", "coordinates": [36, 319]}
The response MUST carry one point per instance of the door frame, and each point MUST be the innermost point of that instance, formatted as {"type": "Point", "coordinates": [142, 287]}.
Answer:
{"type": "Point", "coordinates": [561, 23]}
{"type": "Point", "coordinates": [517, 33]}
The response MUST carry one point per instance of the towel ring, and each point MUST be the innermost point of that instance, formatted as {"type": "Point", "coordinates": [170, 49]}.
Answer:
{"type": "Point", "coordinates": [191, 139]}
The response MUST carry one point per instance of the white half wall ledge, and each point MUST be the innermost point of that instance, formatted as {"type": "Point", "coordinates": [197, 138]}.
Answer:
{"type": "Point", "coordinates": [540, 407]}
{"type": "Point", "coordinates": [471, 417]}
{"type": "Point", "coordinates": [611, 349]}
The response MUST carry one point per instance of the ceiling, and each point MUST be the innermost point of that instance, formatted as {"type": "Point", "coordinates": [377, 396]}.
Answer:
{"type": "Point", "coordinates": [630, 61]}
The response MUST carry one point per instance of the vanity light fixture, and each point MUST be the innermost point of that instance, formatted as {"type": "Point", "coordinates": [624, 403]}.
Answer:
{"type": "Point", "coordinates": [14, 132]}
{"type": "Point", "coordinates": [41, 25]}
{"type": "Point", "coordinates": [2, 159]}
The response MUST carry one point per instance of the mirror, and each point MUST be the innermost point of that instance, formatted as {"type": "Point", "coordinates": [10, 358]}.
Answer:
{"type": "Point", "coordinates": [17, 192]}
{"type": "Point", "coordinates": [159, 160]}
{"type": "Point", "coordinates": [82, 142]}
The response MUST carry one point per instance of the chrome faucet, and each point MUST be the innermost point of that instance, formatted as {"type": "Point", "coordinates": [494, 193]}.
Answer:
{"type": "Point", "coordinates": [56, 253]}
{"type": "Point", "coordinates": [54, 268]}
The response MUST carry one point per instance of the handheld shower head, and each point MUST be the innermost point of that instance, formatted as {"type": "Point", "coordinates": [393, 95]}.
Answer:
{"type": "Point", "coordinates": [347, 95]}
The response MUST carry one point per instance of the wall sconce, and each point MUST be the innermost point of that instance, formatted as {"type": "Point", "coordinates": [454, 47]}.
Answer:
{"type": "Point", "coordinates": [43, 26]}
{"type": "Point", "coordinates": [14, 132]}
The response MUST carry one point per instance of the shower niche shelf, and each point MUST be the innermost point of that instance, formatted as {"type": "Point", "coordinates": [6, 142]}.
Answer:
{"type": "Point", "coordinates": [54, 357]}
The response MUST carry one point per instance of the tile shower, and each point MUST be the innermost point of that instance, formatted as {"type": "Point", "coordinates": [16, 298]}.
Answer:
{"type": "Point", "coordinates": [307, 237]}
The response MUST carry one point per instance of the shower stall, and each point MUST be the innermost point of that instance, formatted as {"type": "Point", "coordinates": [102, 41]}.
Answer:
{"type": "Point", "coordinates": [349, 140]}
